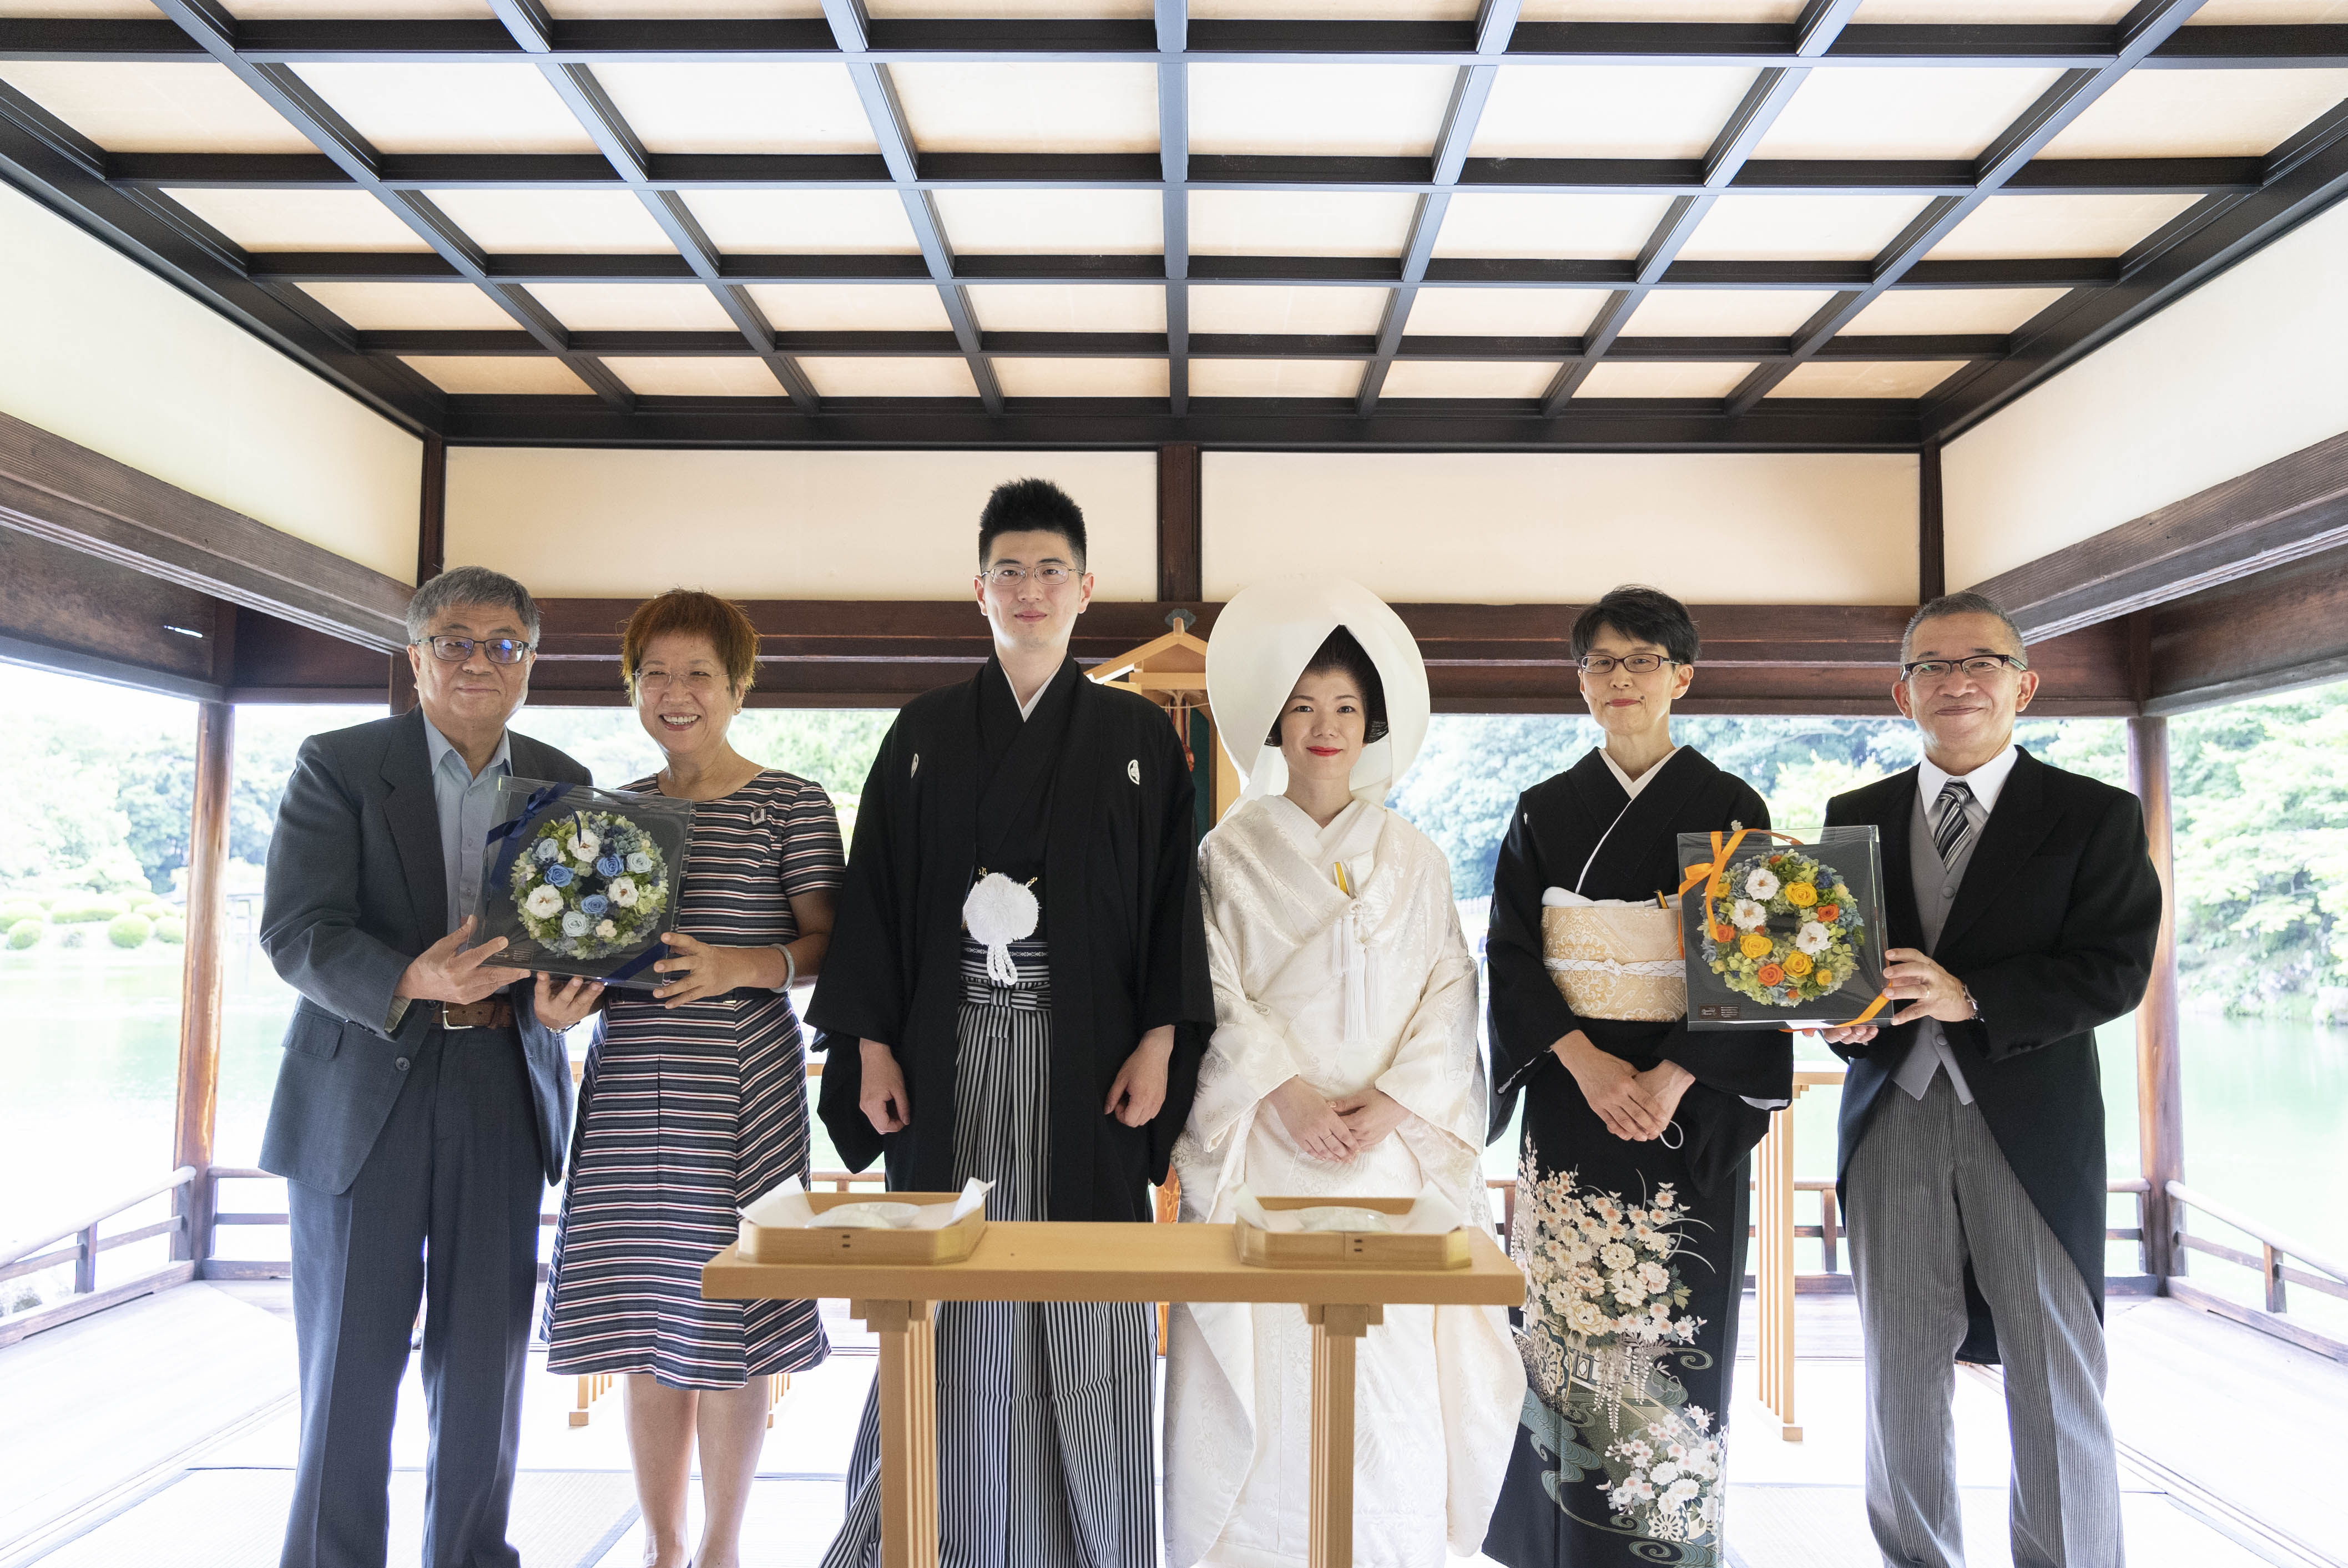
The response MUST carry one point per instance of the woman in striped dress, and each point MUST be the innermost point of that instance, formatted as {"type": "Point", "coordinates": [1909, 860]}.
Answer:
{"type": "Point", "coordinates": [695, 1098]}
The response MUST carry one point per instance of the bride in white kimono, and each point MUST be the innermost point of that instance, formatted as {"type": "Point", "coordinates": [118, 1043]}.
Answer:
{"type": "Point", "coordinates": [1344, 1062]}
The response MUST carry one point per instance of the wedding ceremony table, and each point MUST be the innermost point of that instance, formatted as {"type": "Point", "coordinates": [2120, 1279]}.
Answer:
{"type": "Point", "coordinates": [1073, 1261]}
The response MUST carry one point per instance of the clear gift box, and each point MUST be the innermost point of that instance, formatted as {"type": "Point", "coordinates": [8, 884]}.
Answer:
{"type": "Point", "coordinates": [583, 881]}
{"type": "Point", "coordinates": [1783, 935]}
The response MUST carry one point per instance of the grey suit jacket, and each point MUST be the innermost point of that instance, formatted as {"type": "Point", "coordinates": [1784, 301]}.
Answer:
{"type": "Point", "coordinates": [356, 890]}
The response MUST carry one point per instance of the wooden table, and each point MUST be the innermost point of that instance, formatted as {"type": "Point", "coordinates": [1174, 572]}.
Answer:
{"type": "Point", "coordinates": [1066, 1262]}
{"type": "Point", "coordinates": [1773, 1263]}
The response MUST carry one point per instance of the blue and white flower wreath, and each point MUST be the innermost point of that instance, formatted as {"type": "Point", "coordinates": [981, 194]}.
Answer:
{"type": "Point", "coordinates": [590, 884]}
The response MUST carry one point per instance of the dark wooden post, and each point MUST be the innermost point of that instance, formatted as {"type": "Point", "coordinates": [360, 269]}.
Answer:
{"type": "Point", "coordinates": [1179, 577]}
{"type": "Point", "coordinates": [200, 985]}
{"type": "Point", "coordinates": [2160, 1110]}
{"type": "Point", "coordinates": [1931, 551]}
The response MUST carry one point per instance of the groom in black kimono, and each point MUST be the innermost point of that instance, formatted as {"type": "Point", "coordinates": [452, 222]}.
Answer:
{"type": "Point", "coordinates": [1059, 1066]}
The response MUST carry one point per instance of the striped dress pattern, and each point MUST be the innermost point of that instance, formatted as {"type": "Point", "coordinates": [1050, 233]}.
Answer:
{"type": "Point", "coordinates": [687, 1114]}
{"type": "Point", "coordinates": [1046, 1410]}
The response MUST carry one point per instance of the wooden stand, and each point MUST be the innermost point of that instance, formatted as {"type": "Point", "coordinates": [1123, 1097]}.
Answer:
{"type": "Point", "coordinates": [1041, 1262]}
{"type": "Point", "coordinates": [1773, 1262]}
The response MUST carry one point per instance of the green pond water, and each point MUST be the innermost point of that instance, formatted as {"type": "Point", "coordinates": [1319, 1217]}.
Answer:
{"type": "Point", "coordinates": [89, 1042]}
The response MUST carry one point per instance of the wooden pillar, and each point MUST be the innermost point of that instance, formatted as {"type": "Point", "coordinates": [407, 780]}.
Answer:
{"type": "Point", "coordinates": [2160, 1110]}
{"type": "Point", "coordinates": [1179, 526]}
{"type": "Point", "coordinates": [1931, 551]}
{"type": "Point", "coordinates": [200, 985]}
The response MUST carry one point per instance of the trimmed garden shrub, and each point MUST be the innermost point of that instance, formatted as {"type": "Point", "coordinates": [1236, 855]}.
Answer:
{"type": "Point", "coordinates": [26, 934]}
{"type": "Point", "coordinates": [87, 909]}
{"type": "Point", "coordinates": [129, 930]}
{"type": "Point", "coordinates": [172, 929]}
{"type": "Point", "coordinates": [15, 909]}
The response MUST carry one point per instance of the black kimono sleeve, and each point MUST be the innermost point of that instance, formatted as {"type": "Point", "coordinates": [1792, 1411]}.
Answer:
{"type": "Point", "coordinates": [862, 993]}
{"type": "Point", "coordinates": [1528, 1014]}
{"type": "Point", "coordinates": [1174, 987]}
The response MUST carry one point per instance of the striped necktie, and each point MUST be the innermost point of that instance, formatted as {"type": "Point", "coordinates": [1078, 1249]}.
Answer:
{"type": "Point", "coordinates": [1955, 826]}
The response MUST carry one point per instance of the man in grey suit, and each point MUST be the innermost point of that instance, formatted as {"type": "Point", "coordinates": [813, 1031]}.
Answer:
{"type": "Point", "coordinates": [424, 1099]}
{"type": "Point", "coordinates": [2023, 909]}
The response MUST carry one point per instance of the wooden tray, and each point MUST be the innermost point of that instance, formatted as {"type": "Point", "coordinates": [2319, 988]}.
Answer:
{"type": "Point", "coordinates": [1349, 1249]}
{"type": "Point", "coordinates": [814, 1244]}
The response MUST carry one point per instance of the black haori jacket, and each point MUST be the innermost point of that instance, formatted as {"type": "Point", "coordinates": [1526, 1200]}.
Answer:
{"type": "Point", "coordinates": [2053, 931]}
{"type": "Point", "coordinates": [1121, 915]}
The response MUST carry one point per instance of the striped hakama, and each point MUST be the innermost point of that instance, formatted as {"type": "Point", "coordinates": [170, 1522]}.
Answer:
{"type": "Point", "coordinates": [687, 1114]}
{"type": "Point", "coordinates": [1045, 1409]}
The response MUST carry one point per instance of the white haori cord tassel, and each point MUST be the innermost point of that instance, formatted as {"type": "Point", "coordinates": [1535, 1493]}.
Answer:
{"type": "Point", "coordinates": [997, 913]}
{"type": "Point", "coordinates": [1354, 959]}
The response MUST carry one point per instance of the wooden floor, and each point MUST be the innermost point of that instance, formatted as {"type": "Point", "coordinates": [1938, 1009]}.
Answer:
{"type": "Point", "coordinates": [163, 1432]}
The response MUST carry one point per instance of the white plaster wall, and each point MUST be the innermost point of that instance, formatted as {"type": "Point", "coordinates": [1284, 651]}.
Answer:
{"type": "Point", "coordinates": [1506, 527]}
{"type": "Point", "coordinates": [2244, 370]}
{"type": "Point", "coordinates": [97, 350]}
{"type": "Point", "coordinates": [575, 523]}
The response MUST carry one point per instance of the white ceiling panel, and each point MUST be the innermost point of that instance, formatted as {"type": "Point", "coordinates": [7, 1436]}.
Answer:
{"type": "Point", "coordinates": [2088, 12]}
{"type": "Point", "coordinates": [2199, 114]}
{"type": "Point", "coordinates": [1902, 113]}
{"type": "Point", "coordinates": [1662, 10]}
{"type": "Point", "coordinates": [2053, 226]}
{"type": "Point", "coordinates": [1608, 111]}
{"type": "Point", "coordinates": [412, 307]}
{"type": "Point", "coordinates": [538, 374]}
{"type": "Point", "coordinates": [1370, 111]}
{"type": "Point", "coordinates": [335, 10]}
{"type": "Point", "coordinates": [1725, 313]}
{"type": "Point", "coordinates": [891, 377]}
{"type": "Point", "coordinates": [1123, 10]}
{"type": "Point", "coordinates": [1858, 378]}
{"type": "Point", "coordinates": [1279, 310]}
{"type": "Point", "coordinates": [301, 220]}
{"type": "Point", "coordinates": [1467, 378]}
{"type": "Point", "coordinates": [1298, 223]}
{"type": "Point", "coordinates": [852, 307]}
{"type": "Point", "coordinates": [2267, 13]}
{"type": "Point", "coordinates": [968, 107]}
{"type": "Point", "coordinates": [1633, 378]}
{"type": "Point", "coordinates": [142, 10]}
{"type": "Point", "coordinates": [449, 108]}
{"type": "Point", "coordinates": [1081, 378]}
{"type": "Point", "coordinates": [1069, 307]}
{"type": "Point", "coordinates": [1275, 377]}
{"type": "Point", "coordinates": [633, 307]}
{"type": "Point", "coordinates": [678, 10]}
{"type": "Point", "coordinates": [1800, 228]}
{"type": "Point", "coordinates": [554, 222]}
{"type": "Point", "coordinates": [757, 108]}
{"type": "Point", "coordinates": [805, 223]}
{"type": "Point", "coordinates": [1503, 313]}
{"type": "Point", "coordinates": [708, 375]}
{"type": "Point", "coordinates": [1913, 311]}
{"type": "Point", "coordinates": [998, 222]}
{"type": "Point", "coordinates": [1585, 228]}
{"type": "Point", "coordinates": [132, 107]}
{"type": "Point", "coordinates": [1333, 10]}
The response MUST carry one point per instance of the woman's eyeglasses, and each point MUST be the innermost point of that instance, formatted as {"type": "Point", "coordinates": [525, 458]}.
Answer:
{"type": "Point", "coordinates": [456, 650]}
{"type": "Point", "coordinates": [1636, 663]}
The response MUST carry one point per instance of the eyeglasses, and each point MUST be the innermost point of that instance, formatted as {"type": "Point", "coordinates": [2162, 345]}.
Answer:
{"type": "Point", "coordinates": [691, 680]}
{"type": "Point", "coordinates": [1013, 576]}
{"type": "Point", "coordinates": [1981, 666]}
{"type": "Point", "coordinates": [456, 650]}
{"type": "Point", "coordinates": [1636, 663]}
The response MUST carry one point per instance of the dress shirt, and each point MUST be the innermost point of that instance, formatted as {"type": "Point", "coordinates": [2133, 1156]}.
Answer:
{"type": "Point", "coordinates": [467, 803]}
{"type": "Point", "coordinates": [1936, 891]}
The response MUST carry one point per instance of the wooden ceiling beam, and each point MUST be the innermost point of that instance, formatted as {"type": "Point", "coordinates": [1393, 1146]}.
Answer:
{"type": "Point", "coordinates": [1298, 41]}
{"type": "Point", "coordinates": [2278, 628]}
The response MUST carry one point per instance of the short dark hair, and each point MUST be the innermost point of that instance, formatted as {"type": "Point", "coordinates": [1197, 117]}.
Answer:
{"type": "Point", "coordinates": [1343, 652]}
{"type": "Point", "coordinates": [1961, 604]}
{"type": "Point", "coordinates": [469, 585]}
{"type": "Point", "coordinates": [1642, 615]}
{"type": "Point", "coordinates": [1031, 506]}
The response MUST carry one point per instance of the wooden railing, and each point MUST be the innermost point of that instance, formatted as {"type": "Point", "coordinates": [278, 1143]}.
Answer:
{"type": "Point", "coordinates": [83, 1244]}
{"type": "Point", "coordinates": [2270, 1263]}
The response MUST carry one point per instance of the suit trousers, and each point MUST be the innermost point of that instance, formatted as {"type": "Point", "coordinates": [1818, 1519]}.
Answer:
{"type": "Point", "coordinates": [1931, 1190]}
{"type": "Point", "coordinates": [445, 1208]}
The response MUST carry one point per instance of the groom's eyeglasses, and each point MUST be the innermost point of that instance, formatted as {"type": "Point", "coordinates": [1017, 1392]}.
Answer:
{"type": "Point", "coordinates": [456, 650]}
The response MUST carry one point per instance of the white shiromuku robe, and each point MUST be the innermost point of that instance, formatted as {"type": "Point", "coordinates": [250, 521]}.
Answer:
{"type": "Point", "coordinates": [1374, 990]}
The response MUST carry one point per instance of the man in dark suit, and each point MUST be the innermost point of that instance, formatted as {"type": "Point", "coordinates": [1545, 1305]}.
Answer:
{"type": "Point", "coordinates": [2023, 909]}
{"type": "Point", "coordinates": [423, 1099]}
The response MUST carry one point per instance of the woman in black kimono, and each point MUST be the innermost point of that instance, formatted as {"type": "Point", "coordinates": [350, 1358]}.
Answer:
{"type": "Point", "coordinates": [1631, 1188]}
